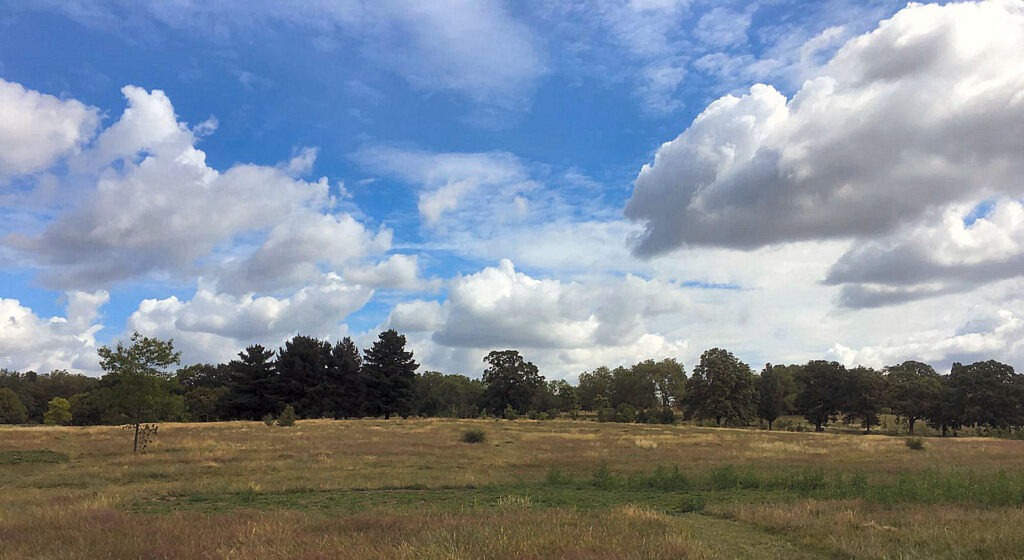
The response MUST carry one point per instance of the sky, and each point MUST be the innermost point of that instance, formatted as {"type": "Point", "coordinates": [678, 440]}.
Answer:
{"type": "Point", "coordinates": [591, 183]}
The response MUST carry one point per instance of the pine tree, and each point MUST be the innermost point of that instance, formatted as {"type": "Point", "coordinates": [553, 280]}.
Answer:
{"type": "Point", "coordinates": [390, 374]}
{"type": "Point", "coordinates": [251, 384]}
{"type": "Point", "coordinates": [344, 390]}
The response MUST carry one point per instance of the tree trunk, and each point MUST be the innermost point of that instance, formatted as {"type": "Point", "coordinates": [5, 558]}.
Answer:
{"type": "Point", "coordinates": [769, 425]}
{"type": "Point", "coordinates": [910, 424]}
{"type": "Point", "coordinates": [135, 444]}
{"type": "Point", "coordinates": [817, 427]}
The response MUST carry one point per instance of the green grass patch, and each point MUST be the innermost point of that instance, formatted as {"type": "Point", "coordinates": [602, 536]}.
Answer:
{"type": "Point", "coordinates": [663, 489]}
{"type": "Point", "coordinates": [31, 456]}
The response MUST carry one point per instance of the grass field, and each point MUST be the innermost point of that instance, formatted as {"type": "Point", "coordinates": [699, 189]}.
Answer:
{"type": "Point", "coordinates": [558, 489]}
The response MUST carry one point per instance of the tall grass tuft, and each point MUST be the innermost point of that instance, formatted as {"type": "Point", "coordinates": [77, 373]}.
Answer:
{"type": "Point", "coordinates": [915, 443]}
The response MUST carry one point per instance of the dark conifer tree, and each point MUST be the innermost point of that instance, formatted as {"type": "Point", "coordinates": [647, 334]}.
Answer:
{"type": "Point", "coordinates": [251, 384]}
{"type": "Point", "coordinates": [390, 374]}
{"type": "Point", "coordinates": [344, 391]}
{"type": "Point", "coordinates": [303, 367]}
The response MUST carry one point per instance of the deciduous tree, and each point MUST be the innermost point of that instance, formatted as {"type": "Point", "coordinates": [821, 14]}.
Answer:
{"type": "Point", "coordinates": [914, 389]}
{"type": "Point", "coordinates": [771, 395]}
{"type": "Point", "coordinates": [58, 412]}
{"type": "Point", "coordinates": [137, 386]}
{"type": "Point", "coordinates": [722, 388]}
{"type": "Point", "coordinates": [821, 393]}
{"type": "Point", "coordinates": [510, 381]}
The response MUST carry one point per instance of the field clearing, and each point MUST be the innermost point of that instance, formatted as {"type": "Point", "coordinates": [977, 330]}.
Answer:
{"type": "Point", "coordinates": [554, 489]}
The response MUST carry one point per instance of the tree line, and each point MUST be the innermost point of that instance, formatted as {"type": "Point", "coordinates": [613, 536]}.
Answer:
{"type": "Point", "coordinates": [314, 378]}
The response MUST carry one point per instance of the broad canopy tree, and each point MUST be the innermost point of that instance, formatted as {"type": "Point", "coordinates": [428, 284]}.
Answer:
{"type": "Point", "coordinates": [914, 390]}
{"type": "Point", "coordinates": [510, 381]}
{"type": "Point", "coordinates": [822, 392]}
{"type": "Point", "coordinates": [865, 396]}
{"type": "Point", "coordinates": [985, 393]}
{"type": "Point", "coordinates": [722, 388]}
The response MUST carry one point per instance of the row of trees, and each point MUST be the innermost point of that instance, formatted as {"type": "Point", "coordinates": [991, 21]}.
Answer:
{"type": "Point", "coordinates": [320, 379]}
{"type": "Point", "coordinates": [725, 390]}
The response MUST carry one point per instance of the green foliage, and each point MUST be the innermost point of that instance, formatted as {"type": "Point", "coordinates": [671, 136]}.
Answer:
{"type": "Point", "coordinates": [390, 373]}
{"type": "Point", "coordinates": [984, 393]}
{"type": "Point", "coordinates": [510, 381]}
{"type": "Point", "coordinates": [915, 443]}
{"type": "Point", "coordinates": [287, 417]}
{"type": "Point", "coordinates": [473, 435]}
{"type": "Point", "coordinates": [668, 378]}
{"type": "Point", "coordinates": [36, 390]}
{"type": "Point", "coordinates": [594, 389]}
{"type": "Point", "coordinates": [145, 356]}
{"type": "Point", "coordinates": [12, 411]}
{"type": "Point", "coordinates": [633, 387]}
{"type": "Point", "coordinates": [691, 503]}
{"type": "Point", "coordinates": [509, 413]}
{"type": "Point", "coordinates": [864, 396]}
{"type": "Point", "coordinates": [137, 387]}
{"type": "Point", "coordinates": [31, 456]}
{"type": "Point", "coordinates": [454, 396]}
{"type": "Point", "coordinates": [251, 383]}
{"type": "Point", "coordinates": [303, 367]}
{"type": "Point", "coordinates": [722, 388]}
{"type": "Point", "coordinates": [822, 392]}
{"type": "Point", "coordinates": [914, 391]}
{"type": "Point", "coordinates": [345, 390]}
{"type": "Point", "coordinates": [58, 412]}
{"type": "Point", "coordinates": [625, 413]}
{"type": "Point", "coordinates": [204, 404]}
{"type": "Point", "coordinates": [771, 395]}
{"type": "Point", "coordinates": [269, 419]}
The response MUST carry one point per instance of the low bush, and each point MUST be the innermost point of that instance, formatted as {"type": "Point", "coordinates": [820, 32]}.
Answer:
{"type": "Point", "coordinates": [287, 417]}
{"type": "Point", "coordinates": [474, 435]}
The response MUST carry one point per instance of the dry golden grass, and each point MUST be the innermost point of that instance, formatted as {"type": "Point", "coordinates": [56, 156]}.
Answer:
{"type": "Point", "coordinates": [413, 489]}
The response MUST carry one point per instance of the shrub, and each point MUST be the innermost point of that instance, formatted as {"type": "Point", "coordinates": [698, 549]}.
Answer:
{"type": "Point", "coordinates": [58, 412]}
{"type": "Point", "coordinates": [556, 477]}
{"type": "Point", "coordinates": [509, 413]}
{"type": "Point", "coordinates": [474, 435]}
{"type": "Point", "coordinates": [915, 443]}
{"type": "Point", "coordinates": [692, 503]}
{"type": "Point", "coordinates": [625, 413]}
{"type": "Point", "coordinates": [287, 417]}
{"type": "Point", "coordinates": [268, 419]}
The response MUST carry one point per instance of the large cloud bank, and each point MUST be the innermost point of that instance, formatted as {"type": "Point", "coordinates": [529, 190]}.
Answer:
{"type": "Point", "coordinates": [894, 143]}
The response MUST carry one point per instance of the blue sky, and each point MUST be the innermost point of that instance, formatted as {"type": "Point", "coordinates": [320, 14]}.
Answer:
{"type": "Point", "coordinates": [592, 183]}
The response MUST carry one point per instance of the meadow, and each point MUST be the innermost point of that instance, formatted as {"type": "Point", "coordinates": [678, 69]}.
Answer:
{"type": "Point", "coordinates": [413, 489]}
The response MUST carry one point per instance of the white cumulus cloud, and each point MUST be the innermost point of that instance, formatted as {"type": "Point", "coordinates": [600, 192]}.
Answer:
{"type": "Point", "coordinates": [37, 129]}
{"type": "Point", "coordinates": [30, 342]}
{"type": "Point", "coordinates": [925, 111]}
